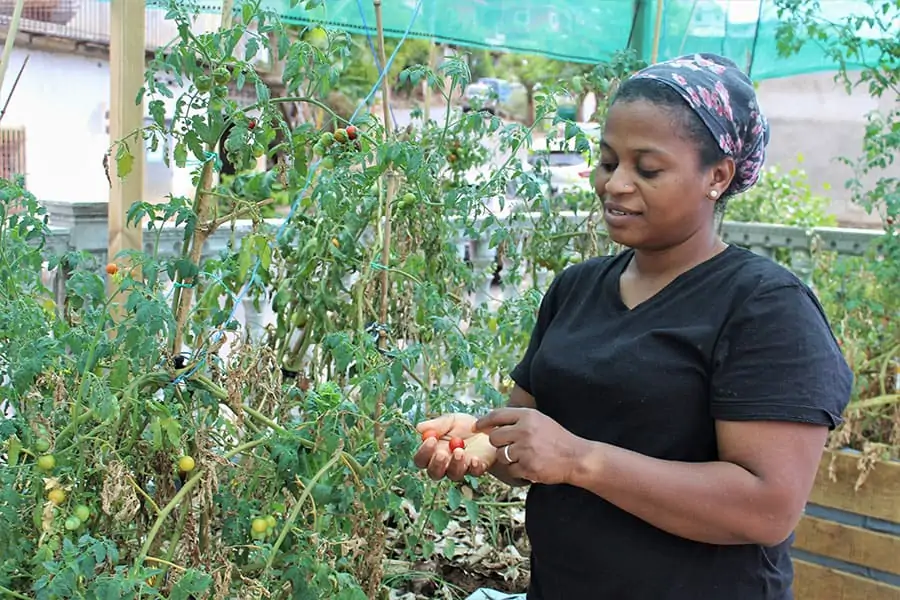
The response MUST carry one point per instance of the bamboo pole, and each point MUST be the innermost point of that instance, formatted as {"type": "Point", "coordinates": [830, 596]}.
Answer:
{"type": "Point", "coordinates": [183, 297]}
{"type": "Point", "coordinates": [391, 190]}
{"type": "Point", "coordinates": [11, 34]}
{"type": "Point", "coordinates": [426, 87]}
{"type": "Point", "coordinates": [126, 76]}
{"type": "Point", "coordinates": [657, 30]}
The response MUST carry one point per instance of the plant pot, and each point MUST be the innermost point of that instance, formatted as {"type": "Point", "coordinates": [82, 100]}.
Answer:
{"type": "Point", "coordinates": [847, 545]}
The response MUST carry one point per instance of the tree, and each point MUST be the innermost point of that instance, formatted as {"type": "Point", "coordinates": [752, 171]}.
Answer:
{"type": "Point", "coordinates": [531, 71]}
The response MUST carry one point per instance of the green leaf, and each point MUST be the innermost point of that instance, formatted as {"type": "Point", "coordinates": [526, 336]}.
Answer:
{"type": "Point", "coordinates": [454, 498]}
{"type": "Point", "coordinates": [191, 583]}
{"type": "Point", "coordinates": [439, 519]}
{"type": "Point", "coordinates": [124, 161]}
{"type": "Point", "coordinates": [180, 155]}
{"type": "Point", "coordinates": [158, 111]}
{"type": "Point", "coordinates": [13, 448]}
{"type": "Point", "coordinates": [471, 511]}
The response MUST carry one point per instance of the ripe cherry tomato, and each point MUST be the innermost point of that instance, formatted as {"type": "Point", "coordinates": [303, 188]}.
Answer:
{"type": "Point", "coordinates": [351, 132]}
{"type": "Point", "coordinates": [112, 268]}
{"type": "Point", "coordinates": [251, 124]}
{"type": "Point", "coordinates": [457, 443]}
{"type": "Point", "coordinates": [429, 434]}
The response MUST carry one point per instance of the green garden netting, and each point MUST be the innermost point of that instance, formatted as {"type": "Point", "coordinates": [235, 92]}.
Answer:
{"type": "Point", "coordinates": [585, 30]}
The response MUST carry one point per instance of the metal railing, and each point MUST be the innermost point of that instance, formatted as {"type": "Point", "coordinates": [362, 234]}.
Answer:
{"type": "Point", "coordinates": [83, 227]}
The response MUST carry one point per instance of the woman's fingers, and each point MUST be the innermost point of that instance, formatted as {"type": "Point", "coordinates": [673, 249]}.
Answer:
{"type": "Point", "coordinates": [477, 468]}
{"type": "Point", "coordinates": [459, 465]}
{"type": "Point", "coordinates": [425, 453]}
{"type": "Point", "coordinates": [437, 466]}
{"type": "Point", "coordinates": [502, 436]}
{"type": "Point", "coordinates": [441, 425]}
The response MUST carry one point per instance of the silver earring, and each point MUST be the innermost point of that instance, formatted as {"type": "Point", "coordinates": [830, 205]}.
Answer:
{"type": "Point", "coordinates": [713, 194]}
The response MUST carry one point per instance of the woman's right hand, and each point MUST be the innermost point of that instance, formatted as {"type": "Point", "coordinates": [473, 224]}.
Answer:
{"type": "Point", "coordinates": [435, 456]}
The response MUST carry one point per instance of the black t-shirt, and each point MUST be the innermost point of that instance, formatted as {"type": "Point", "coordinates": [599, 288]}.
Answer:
{"type": "Point", "coordinates": [737, 337]}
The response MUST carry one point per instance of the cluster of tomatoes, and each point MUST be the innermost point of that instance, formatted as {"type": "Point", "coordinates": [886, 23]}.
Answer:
{"type": "Point", "coordinates": [340, 139]}
{"type": "Point", "coordinates": [57, 496]}
{"type": "Point", "coordinates": [262, 527]}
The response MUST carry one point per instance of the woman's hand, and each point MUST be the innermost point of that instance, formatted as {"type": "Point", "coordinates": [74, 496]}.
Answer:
{"type": "Point", "coordinates": [536, 448]}
{"type": "Point", "coordinates": [435, 455]}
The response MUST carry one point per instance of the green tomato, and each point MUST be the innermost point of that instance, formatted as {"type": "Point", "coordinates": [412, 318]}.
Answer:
{"type": "Point", "coordinates": [328, 163]}
{"type": "Point", "coordinates": [222, 76]}
{"type": "Point", "coordinates": [42, 445]}
{"type": "Point", "coordinates": [327, 139]}
{"type": "Point", "coordinates": [204, 83]}
{"type": "Point", "coordinates": [318, 38]}
{"type": "Point", "coordinates": [73, 523]}
{"type": "Point", "coordinates": [82, 512]}
{"type": "Point", "coordinates": [46, 462]}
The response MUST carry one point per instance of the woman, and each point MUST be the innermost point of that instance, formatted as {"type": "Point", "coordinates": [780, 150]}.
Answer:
{"type": "Point", "coordinates": [674, 401]}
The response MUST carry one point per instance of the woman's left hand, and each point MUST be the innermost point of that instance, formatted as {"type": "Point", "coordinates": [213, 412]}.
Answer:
{"type": "Point", "coordinates": [536, 447]}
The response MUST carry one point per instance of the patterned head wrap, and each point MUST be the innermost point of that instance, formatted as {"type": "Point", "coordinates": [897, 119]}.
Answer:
{"type": "Point", "coordinates": [724, 99]}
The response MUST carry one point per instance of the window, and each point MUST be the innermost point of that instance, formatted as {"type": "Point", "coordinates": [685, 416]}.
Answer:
{"type": "Point", "coordinates": [12, 152]}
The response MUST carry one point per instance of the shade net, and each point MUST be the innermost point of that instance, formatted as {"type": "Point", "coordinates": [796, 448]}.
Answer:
{"type": "Point", "coordinates": [587, 30]}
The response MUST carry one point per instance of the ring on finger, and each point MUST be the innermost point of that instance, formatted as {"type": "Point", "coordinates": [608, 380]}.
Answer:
{"type": "Point", "coordinates": [506, 454]}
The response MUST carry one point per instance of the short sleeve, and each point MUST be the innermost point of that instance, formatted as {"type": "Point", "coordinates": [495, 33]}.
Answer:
{"type": "Point", "coordinates": [777, 360]}
{"type": "Point", "coordinates": [521, 374]}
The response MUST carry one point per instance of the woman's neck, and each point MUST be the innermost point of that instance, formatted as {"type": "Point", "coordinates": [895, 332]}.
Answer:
{"type": "Point", "coordinates": [673, 261]}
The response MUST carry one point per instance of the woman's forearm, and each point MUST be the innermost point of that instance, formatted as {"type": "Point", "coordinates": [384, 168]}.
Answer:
{"type": "Point", "coordinates": [713, 502]}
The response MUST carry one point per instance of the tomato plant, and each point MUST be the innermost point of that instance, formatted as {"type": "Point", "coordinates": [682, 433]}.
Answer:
{"type": "Point", "coordinates": [156, 448]}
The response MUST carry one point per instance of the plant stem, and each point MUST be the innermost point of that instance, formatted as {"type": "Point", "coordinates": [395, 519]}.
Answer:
{"type": "Point", "coordinates": [181, 302]}
{"type": "Point", "coordinates": [11, 593]}
{"type": "Point", "coordinates": [164, 514]}
{"type": "Point", "coordinates": [295, 511]}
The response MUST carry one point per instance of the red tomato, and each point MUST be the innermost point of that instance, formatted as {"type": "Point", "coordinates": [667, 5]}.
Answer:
{"type": "Point", "coordinates": [351, 132]}
{"type": "Point", "coordinates": [457, 443]}
{"type": "Point", "coordinates": [429, 434]}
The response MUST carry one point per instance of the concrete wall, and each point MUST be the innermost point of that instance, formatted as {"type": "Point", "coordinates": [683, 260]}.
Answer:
{"type": "Point", "coordinates": [814, 116]}
{"type": "Point", "coordinates": [61, 100]}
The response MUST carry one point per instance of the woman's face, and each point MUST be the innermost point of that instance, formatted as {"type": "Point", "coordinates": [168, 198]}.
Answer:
{"type": "Point", "coordinates": [655, 194]}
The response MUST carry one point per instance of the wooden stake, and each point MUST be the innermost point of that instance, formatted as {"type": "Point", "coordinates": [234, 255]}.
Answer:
{"type": "Point", "coordinates": [126, 65]}
{"type": "Point", "coordinates": [426, 88]}
{"type": "Point", "coordinates": [183, 297]}
{"type": "Point", "coordinates": [11, 34]}
{"type": "Point", "coordinates": [657, 30]}
{"type": "Point", "coordinates": [385, 215]}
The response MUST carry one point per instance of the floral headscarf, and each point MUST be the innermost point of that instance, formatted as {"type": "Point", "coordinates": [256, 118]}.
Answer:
{"type": "Point", "coordinates": [724, 99]}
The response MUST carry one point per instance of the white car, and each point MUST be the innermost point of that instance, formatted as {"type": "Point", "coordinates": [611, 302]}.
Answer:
{"type": "Point", "coordinates": [560, 166]}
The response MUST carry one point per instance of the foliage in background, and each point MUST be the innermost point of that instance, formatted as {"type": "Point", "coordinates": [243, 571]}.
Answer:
{"type": "Point", "coordinates": [862, 296]}
{"type": "Point", "coordinates": [783, 197]}
{"type": "Point", "coordinates": [157, 449]}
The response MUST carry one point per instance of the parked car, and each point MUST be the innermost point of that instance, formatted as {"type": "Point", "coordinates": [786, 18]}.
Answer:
{"type": "Point", "coordinates": [495, 96]}
{"type": "Point", "coordinates": [480, 96]}
{"type": "Point", "coordinates": [561, 167]}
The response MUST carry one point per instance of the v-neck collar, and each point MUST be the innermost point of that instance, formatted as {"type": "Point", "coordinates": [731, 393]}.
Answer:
{"type": "Point", "coordinates": [613, 286]}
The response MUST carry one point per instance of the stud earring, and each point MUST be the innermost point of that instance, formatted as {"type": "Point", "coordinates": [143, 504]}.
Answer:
{"type": "Point", "coordinates": [713, 194]}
